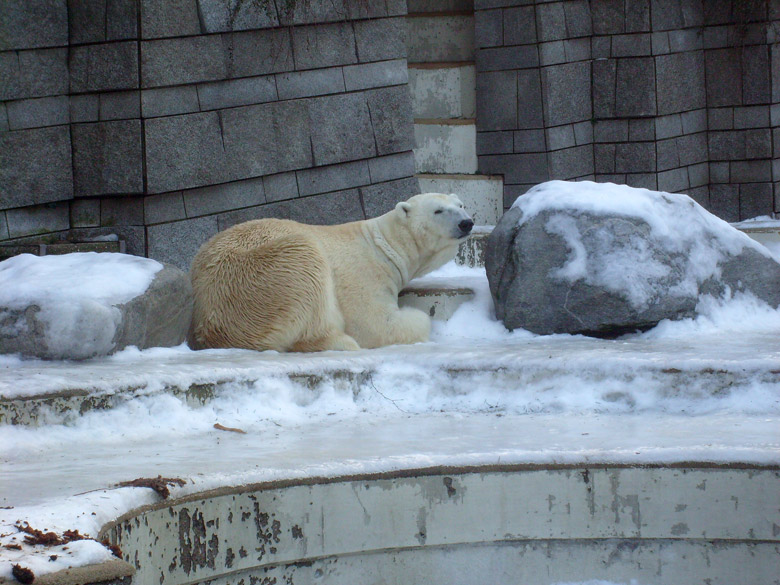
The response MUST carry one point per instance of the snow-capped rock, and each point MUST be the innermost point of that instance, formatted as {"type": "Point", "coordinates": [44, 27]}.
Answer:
{"type": "Point", "coordinates": [77, 306]}
{"type": "Point", "coordinates": [604, 259]}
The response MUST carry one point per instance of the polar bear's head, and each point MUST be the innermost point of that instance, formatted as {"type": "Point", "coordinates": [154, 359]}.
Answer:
{"type": "Point", "coordinates": [438, 223]}
{"type": "Point", "coordinates": [436, 218]}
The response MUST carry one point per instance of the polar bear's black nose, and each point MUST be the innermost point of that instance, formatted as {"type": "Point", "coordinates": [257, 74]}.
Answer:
{"type": "Point", "coordinates": [466, 225]}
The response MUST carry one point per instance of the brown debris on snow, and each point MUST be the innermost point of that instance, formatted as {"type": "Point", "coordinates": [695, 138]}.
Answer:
{"type": "Point", "coordinates": [22, 574]}
{"type": "Point", "coordinates": [35, 536]}
{"type": "Point", "coordinates": [159, 484]}
{"type": "Point", "coordinates": [220, 427]}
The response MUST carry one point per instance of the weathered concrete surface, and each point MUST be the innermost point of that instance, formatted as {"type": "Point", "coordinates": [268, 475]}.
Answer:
{"type": "Point", "coordinates": [445, 146]}
{"type": "Point", "coordinates": [502, 524]}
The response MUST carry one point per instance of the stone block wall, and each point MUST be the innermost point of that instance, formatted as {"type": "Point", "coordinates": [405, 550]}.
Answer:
{"type": "Point", "coordinates": [675, 95]}
{"type": "Point", "coordinates": [167, 120]}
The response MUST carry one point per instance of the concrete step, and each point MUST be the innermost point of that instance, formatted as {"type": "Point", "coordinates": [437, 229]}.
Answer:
{"type": "Point", "coordinates": [445, 146]}
{"type": "Point", "coordinates": [481, 194]}
{"type": "Point", "coordinates": [442, 37]}
{"type": "Point", "coordinates": [438, 300]}
{"type": "Point", "coordinates": [443, 90]}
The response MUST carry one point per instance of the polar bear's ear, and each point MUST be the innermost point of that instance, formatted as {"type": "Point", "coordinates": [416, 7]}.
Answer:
{"type": "Point", "coordinates": [405, 207]}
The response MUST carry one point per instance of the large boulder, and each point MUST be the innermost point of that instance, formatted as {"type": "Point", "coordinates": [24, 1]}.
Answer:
{"type": "Point", "coordinates": [77, 306]}
{"type": "Point", "coordinates": [603, 259]}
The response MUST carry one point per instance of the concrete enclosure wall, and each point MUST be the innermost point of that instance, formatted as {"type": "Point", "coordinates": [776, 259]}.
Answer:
{"type": "Point", "coordinates": [168, 120]}
{"type": "Point", "coordinates": [674, 95]}
{"type": "Point", "coordinates": [164, 121]}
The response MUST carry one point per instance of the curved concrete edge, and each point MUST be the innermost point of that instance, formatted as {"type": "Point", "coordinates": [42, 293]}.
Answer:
{"type": "Point", "coordinates": [717, 516]}
{"type": "Point", "coordinates": [114, 572]}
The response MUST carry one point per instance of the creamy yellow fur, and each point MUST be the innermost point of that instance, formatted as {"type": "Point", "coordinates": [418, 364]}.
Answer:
{"type": "Point", "coordinates": [282, 285]}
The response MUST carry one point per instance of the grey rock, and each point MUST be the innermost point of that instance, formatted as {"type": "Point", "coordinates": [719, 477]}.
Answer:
{"type": "Point", "coordinates": [169, 101]}
{"type": "Point", "coordinates": [120, 105]}
{"type": "Point", "coordinates": [36, 166]}
{"type": "Point", "coordinates": [280, 187]}
{"type": "Point", "coordinates": [160, 316]}
{"type": "Point", "coordinates": [381, 198]}
{"type": "Point", "coordinates": [497, 100]}
{"type": "Point", "coordinates": [230, 15]}
{"type": "Point", "coordinates": [501, 58]}
{"type": "Point", "coordinates": [567, 93]}
{"type": "Point", "coordinates": [177, 242]}
{"type": "Point", "coordinates": [488, 28]}
{"type": "Point", "coordinates": [258, 52]}
{"type": "Point", "coordinates": [163, 208]}
{"type": "Point", "coordinates": [84, 108]}
{"type": "Point", "coordinates": [236, 92]}
{"type": "Point", "coordinates": [84, 213]}
{"type": "Point", "coordinates": [523, 257]}
{"type": "Point", "coordinates": [529, 92]}
{"type": "Point", "coordinates": [3, 227]}
{"type": "Point", "coordinates": [635, 88]}
{"type": "Point", "coordinates": [528, 141]}
{"type": "Point", "coordinates": [121, 19]}
{"type": "Point", "coordinates": [217, 198]}
{"type": "Point", "coordinates": [380, 74]}
{"type": "Point", "coordinates": [182, 60]}
{"type": "Point", "coordinates": [107, 158]}
{"type": "Point", "coordinates": [126, 210]}
{"type": "Point", "coordinates": [391, 120]}
{"type": "Point", "coordinates": [519, 25]}
{"type": "Point", "coordinates": [673, 96]}
{"type": "Point", "coordinates": [388, 168]}
{"type": "Point", "coordinates": [497, 142]}
{"type": "Point", "coordinates": [333, 178]}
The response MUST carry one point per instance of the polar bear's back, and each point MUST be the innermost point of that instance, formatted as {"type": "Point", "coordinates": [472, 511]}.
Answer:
{"type": "Point", "coordinates": [260, 285]}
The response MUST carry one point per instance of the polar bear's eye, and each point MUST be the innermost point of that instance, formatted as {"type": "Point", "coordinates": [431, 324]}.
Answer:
{"type": "Point", "coordinates": [439, 211]}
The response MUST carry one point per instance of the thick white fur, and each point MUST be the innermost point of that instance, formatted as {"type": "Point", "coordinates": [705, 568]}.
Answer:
{"type": "Point", "coordinates": [282, 285]}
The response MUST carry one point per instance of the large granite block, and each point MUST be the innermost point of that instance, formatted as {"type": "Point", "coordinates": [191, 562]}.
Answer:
{"type": "Point", "coordinates": [502, 58]}
{"type": "Point", "coordinates": [724, 77]}
{"type": "Point", "coordinates": [391, 120]}
{"type": "Point", "coordinates": [604, 85]}
{"type": "Point", "coordinates": [184, 151]}
{"type": "Point", "coordinates": [381, 39]}
{"type": "Point", "coordinates": [177, 242]}
{"type": "Point", "coordinates": [348, 135]}
{"type": "Point", "coordinates": [673, 94]}
{"type": "Point", "coordinates": [324, 46]}
{"type": "Point", "coordinates": [84, 108]}
{"type": "Point", "coordinates": [280, 186]}
{"type": "Point", "coordinates": [755, 199]}
{"type": "Point", "coordinates": [751, 171]}
{"type": "Point", "coordinates": [39, 112]}
{"type": "Point", "coordinates": [121, 211]}
{"type": "Point", "coordinates": [636, 45]}
{"type": "Point", "coordinates": [258, 52]}
{"type": "Point", "coordinates": [3, 226]}
{"type": "Point", "coordinates": [229, 15]}
{"type": "Point", "coordinates": [297, 84]}
{"type": "Point", "coordinates": [96, 21]}
{"type": "Point", "coordinates": [383, 197]}
{"type": "Point", "coordinates": [121, 19]}
{"type": "Point", "coordinates": [333, 178]}
{"type": "Point", "coordinates": [674, 181]}
{"type": "Point", "coordinates": [757, 81]}
{"type": "Point", "coordinates": [578, 19]}
{"type": "Point", "coordinates": [26, 24]}
{"type": "Point", "coordinates": [571, 163]}
{"type": "Point", "coordinates": [266, 139]}
{"type": "Point", "coordinates": [107, 158]}
{"type": "Point", "coordinates": [668, 154]}
{"type": "Point", "coordinates": [758, 144]}
{"type": "Point", "coordinates": [33, 73]}
{"type": "Point", "coordinates": [551, 21]}
{"type": "Point", "coordinates": [608, 17]}
{"type": "Point", "coordinates": [120, 105]}
{"type": "Point", "coordinates": [163, 208]}
{"type": "Point", "coordinates": [635, 88]}
{"type": "Point", "coordinates": [560, 137]}
{"type": "Point", "coordinates": [567, 93]}
{"type": "Point", "coordinates": [488, 28]}
{"type": "Point", "coordinates": [635, 157]}
{"type": "Point", "coordinates": [169, 101]}
{"type": "Point", "coordinates": [36, 166]}
{"type": "Point", "coordinates": [610, 131]}
{"type": "Point", "coordinates": [497, 100]}
{"type": "Point", "coordinates": [389, 168]}
{"type": "Point", "coordinates": [38, 219]}
{"type": "Point", "coordinates": [692, 148]}
{"type": "Point", "coordinates": [182, 60]}
{"type": "Point", "coordinates": [85, 213]}
{"type": "Point", "coordinates": [169, 18]}
{"type": "Point", "coordinates": [676, 14]}
{"type": "Point", "coordinates": [379, 74]}
{"type": "Point", "coordinates": [236, 92]}
{"type": "Point", "coordinates": [529, 100]}
{"type": "Point", "coordinates": [519, 25]}
{"type": "Point", "coordinates": [724, 202]}
{"type": "Point", "coordinates": [497, 142]}
{"type": "Point", "coordinates": [751, 117]}
{"type": "Point", "coordinates": [516, 168]}
{"type": "Point", "coordinates": [297, 13]}
{"type": "Point", "coordinates": [224, 197]}
{"type": "Point", "coordinates": [102, 67]}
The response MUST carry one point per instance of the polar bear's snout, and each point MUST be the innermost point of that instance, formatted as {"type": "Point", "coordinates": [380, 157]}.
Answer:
{"type": "Point", "coordinates": [465, 227]}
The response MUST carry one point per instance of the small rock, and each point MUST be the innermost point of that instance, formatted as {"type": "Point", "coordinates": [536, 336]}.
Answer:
{"type": "Point", "coordinates": [604, 259]}
{"type": "Point", "coordinates": [78, 306]}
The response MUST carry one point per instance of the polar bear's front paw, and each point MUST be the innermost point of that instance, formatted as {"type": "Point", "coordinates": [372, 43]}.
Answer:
{"type": "Point", "coordinates": [408, 325]}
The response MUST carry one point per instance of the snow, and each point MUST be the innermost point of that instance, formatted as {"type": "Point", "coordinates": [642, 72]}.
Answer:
{"type": "Point", "coordinates": [693, 390]}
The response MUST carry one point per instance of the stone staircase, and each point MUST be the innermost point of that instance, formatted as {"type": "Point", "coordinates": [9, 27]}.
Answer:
{"type": "Point", "coordinates": [440, 50]}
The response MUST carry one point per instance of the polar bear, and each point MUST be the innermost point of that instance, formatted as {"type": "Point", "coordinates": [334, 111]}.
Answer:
{"type": "Point", "coordinates": [287, 286]}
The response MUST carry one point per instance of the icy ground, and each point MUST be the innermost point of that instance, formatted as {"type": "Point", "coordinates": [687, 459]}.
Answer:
{"type": "Point", "coordinates": [695, 390]}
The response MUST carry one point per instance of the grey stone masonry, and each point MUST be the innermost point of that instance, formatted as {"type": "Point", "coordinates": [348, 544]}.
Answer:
{"type": "Point", "coordinates": [663, 94]}
{"type": "Point", "coordinates": [163, 121]}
